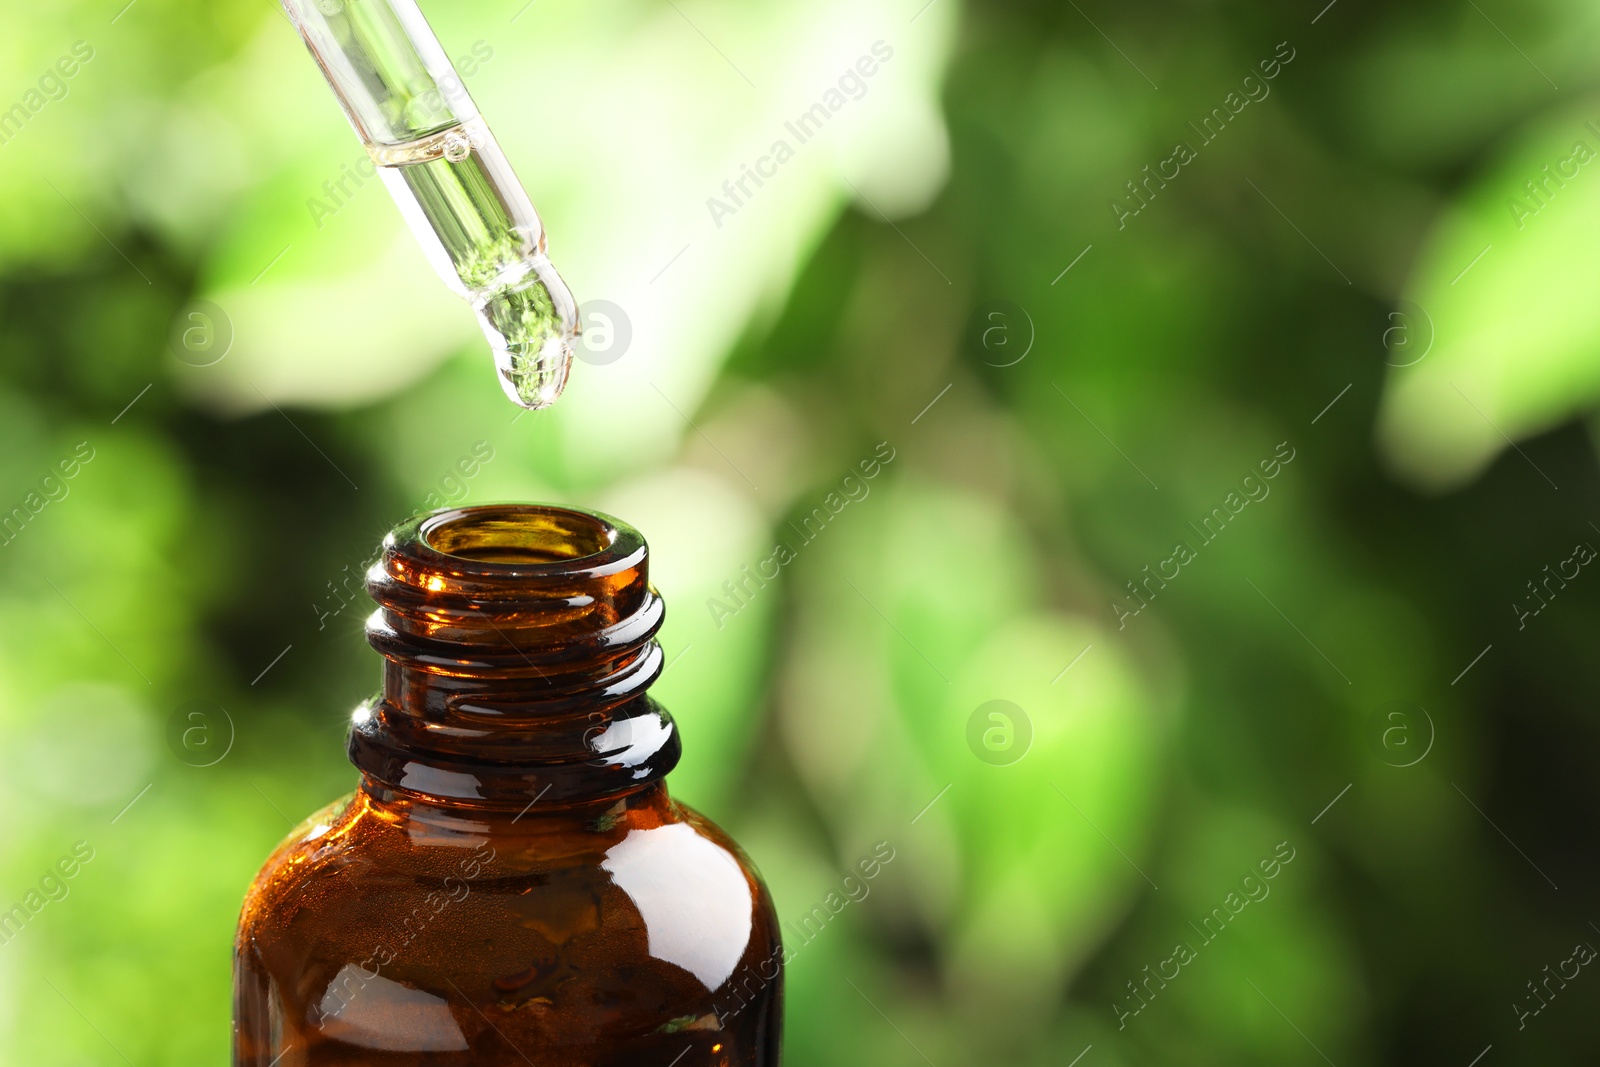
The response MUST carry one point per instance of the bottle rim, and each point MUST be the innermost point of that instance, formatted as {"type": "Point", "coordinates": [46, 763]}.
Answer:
{"type": "Point", "coordinates": [511, 541]}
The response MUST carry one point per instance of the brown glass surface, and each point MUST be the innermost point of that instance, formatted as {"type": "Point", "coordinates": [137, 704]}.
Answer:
{"type": "Point", "coordinates": [510, 884]}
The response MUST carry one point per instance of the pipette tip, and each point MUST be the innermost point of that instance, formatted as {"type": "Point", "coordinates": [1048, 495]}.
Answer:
{"type": "Point", "coordinates": [532, 327]}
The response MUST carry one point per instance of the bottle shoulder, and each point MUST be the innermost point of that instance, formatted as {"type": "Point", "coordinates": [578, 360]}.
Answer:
{"type": "Point", "coordinates": [663, 870]}
{"type": "Point", "coordinates": [305, 849]}
{"type": "Point", "coordinates": [353, 835]}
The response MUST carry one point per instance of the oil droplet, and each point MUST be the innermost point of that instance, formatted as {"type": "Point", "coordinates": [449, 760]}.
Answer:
{"type": "Point", "coordinates": [532, 327]}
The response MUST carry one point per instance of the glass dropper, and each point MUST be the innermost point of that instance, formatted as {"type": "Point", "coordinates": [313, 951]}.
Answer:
{"type": "Point", "coordinates": [450, 180]}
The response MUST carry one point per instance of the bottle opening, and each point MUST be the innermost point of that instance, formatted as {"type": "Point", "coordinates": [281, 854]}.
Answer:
{"type": "Point", "coordinates": [519, 641]}
{"type": "Point", "coordinates": [518, 535]}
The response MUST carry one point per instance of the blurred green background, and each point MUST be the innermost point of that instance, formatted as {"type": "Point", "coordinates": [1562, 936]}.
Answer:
{"type": "Point", "coordinates": [1379, 262]}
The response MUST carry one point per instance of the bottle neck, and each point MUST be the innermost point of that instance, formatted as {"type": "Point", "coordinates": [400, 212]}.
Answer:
{"type": "Point", "coordinates": [518, 644]}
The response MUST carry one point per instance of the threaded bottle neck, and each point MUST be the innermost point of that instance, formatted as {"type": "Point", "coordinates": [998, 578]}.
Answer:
{"type": "Point", "coordinates": [518, 643]}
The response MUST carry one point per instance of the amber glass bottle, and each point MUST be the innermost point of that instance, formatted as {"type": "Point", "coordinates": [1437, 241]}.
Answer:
{"type": "Point", "coordinates": [510, 884]}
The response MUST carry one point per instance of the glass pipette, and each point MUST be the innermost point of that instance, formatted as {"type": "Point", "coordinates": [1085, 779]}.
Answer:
{"type": "Point", "coordinates": [451, 181]}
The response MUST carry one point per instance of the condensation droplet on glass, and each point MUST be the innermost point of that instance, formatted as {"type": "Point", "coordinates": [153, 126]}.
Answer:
{"type": "Point", "coordinates": [451, 181]}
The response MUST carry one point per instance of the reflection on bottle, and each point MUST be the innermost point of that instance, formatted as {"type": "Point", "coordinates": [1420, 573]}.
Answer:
{"type": "Point", "coordinates": [696, 903]}
{"type": "Point", "coordinates": [371, 1011]}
